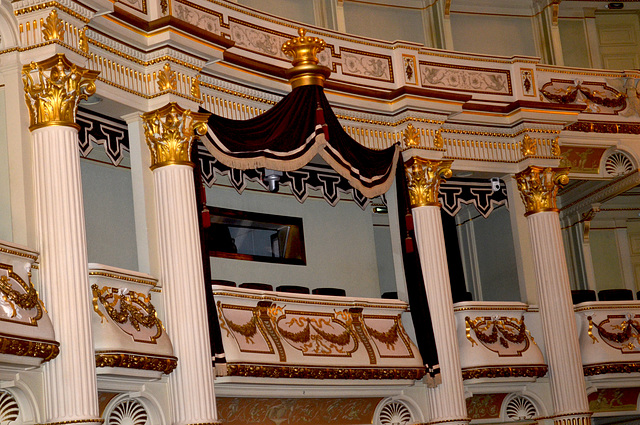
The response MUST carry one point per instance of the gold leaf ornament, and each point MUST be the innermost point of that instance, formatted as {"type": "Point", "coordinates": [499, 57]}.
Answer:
{"type": "Point", "coordinates": [539, 186]}
{"type": "Point", "coordinates": [53, 27]}
{"type": "Point", "coordinates": [424, 177]}
{"type": "Point", "coordinates": [411, 137]}
{"type": "Point", "coordinates": [167, 78]}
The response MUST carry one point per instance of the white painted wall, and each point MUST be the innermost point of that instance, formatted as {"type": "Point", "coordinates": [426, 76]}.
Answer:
{"type": "Point", "coordinates": [298, 10]}
{"type": "Point", "coordinates": [108, 208]}
{"type": "Point", "coordinates": [383, 22]}
{"type": "Point", "coordinates": [507, 35]}
{"type": "Point", "coordinates": [574, 43]}
{"type": "Point", "coordinates": [606, 263]}
{"type": "Point", "coordinates": [339, 243]}
{"type": "Point", "coordinates": [491, 243]}
{"type": "Point", "coordinates": [5, 190]}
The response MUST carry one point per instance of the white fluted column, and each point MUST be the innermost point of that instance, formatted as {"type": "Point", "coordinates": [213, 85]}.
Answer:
{"type": "Point", "coordinates": [447, 401]}
{"type": "Point", "coordinates": [169, 133]}
{"type": "Point", "coordinates": [538, 187]}
{"type": "Point", "coordinates": [70, 388]}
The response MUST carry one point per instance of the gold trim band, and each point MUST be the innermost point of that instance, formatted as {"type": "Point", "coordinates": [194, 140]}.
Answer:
{"type": "Point", "coordinates": [75, 421]}
{"type": "Point", "coordinates": [505, 372]}
{"type": "Point", "coordinates": [29, 348]}
{"type": "Point", "coordinates": [136, 361]}
{"type": "Point", "coordinates": [302, 372]}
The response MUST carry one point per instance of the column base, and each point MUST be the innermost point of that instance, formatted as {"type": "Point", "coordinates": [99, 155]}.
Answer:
{"type": "Point", "coordinates": [576, 419]}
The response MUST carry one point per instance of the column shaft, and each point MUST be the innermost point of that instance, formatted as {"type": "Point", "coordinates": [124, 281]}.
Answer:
{"type": "Point", "coordinates": [191, 384]}
{"type": "Point", "coordinates": [70, 379]}
{"type": "Point", "coordinates": [447, 399]}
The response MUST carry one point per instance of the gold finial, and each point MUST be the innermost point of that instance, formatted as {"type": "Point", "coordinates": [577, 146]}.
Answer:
{"type": "Point", "coordinates": [529, 146]}
{"type": "Point", "coordinates": [195, 87]}
{"type": "Point", "coordinates": [306, 70]}
{"type": "Point", "coordinates": [423, 180]}
{"type": "Point", "coordinates": [167, 78]}
{"type": "Point", "coordinates": [53, 98]}
{"type": "Point", "coordinates": [53, 27]}
{"type": "Point", "coordinates": [169, 132]}
{"type": "Point", "coordinates": [411, 137]}
{"type": "Point", "coordinates": [539, 186]}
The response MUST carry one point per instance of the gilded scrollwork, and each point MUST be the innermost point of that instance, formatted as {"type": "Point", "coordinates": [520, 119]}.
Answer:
{"type": "Point", "coordinates": [505, 372]}
{"type": "Point", "coordinates": [127, 307]}
{"type": "Point", "coordinates": [24, 296]}
{"type": "Point", "coordinates": [28, 348]}
{"type": "Point", "coordinates": [388, 338]}
{"type": "Point", "coordinates": [595, 95]}
{"type": "Point", "coordinates": [167, 78]}
{"type": "Point", "coordinates": [272, 371]}
{"type": "Point", "coordinates": [52, 98]}
{"type": "Point", "coordinates": [539, 186]}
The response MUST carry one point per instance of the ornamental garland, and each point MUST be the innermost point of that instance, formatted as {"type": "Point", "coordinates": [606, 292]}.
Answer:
{"type": "Point", "coordinates": [26, 301]}
{"type": "Point", "coordinates": [389, 338]}
{"type": "Point", "coordinates": [626, 330]}
{"type": "Point", "coordinates": [131, 306]}
{"type": "Point", "coordinates": [499, 331]}
{"type": "Point", "coordinates": [247, 330]}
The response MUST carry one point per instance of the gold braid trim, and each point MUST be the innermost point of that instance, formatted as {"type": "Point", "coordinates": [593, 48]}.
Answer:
{"type": "Point", "coordinates": [602, 369]}
{"type": "Point", "coordinates": [75, 421]}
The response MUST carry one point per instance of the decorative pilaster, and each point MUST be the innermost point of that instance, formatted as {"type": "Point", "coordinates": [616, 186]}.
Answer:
{"type": "Point", "coordinates": [423, 179]}
{"type": "Point", "coordinates": [538, 187]}
{"type": "Point", "coordinates": [169, 133]}
{"type": "Point", "coordinates": [52, 98]}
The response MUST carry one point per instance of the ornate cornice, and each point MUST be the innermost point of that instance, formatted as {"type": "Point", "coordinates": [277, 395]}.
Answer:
{"type": "Point", "coordinates": [170, 131]}
{"type": "Point", "coordinates": [539, 186]}
{"type": "Point", "coordinates": [46, 350]}
{"type": "Point", "coordinates": [423, 180]}
{"type": "Point", "coordinates": [136, 361]}
{"type": "Point", "coordinates": [306, 70]}
{"type": "Point", "coordinates": [52, 98]}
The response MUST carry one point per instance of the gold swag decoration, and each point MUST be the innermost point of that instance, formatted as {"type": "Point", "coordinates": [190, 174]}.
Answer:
{"type": "Point", "coordinates": [170, 131]}
{"type": "Point", "coordinates": [52, 98]}
{"type": "Point", "coordinates": [423, 180]}
{"type": "Point", "coordinates": [539, 186]}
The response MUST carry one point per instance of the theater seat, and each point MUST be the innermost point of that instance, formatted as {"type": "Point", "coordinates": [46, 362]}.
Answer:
{"type": "Point", "coordinates": [256, 285]}
{"type": "Point", "coordinates": [337, 292]}
{"type": "Point", "coordinates": [583, 295]}
{"type": "Point", "coordinates": [390, 295]}
{"type": "Point", "coordinates": [293, 289]}
{"type": "Point", "coordinates": [615, 295]}
{"type": "Point", "coordinates": [222, 282]}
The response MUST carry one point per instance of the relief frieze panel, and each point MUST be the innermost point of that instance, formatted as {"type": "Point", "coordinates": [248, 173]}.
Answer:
{"type": "Point", "coordinates": [463, 78]}
{"type": "Point", "coordinates": [198, 16]}
{"type": "Point", "coordinates": [598, 97]}
{"type": "Point", "coordinates": [365, 64]}
{"type": "Point", "coordinates": [313, 337]}
{"type": "Point", "coordinates": [506, 336]}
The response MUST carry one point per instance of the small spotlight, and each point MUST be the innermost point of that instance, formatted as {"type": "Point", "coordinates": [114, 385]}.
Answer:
{"type": "Point", "coordinates": [380, 210]}
{"type": "Point", "coordinates": [272, 177]}
{"type": "Point", "coordinates": [615, 6]}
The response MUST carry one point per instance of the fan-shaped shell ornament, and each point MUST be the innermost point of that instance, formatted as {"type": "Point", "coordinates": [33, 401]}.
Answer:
{"type": "Point", "coordinates": [9, 408]}
{"type": "Point", "coordinates": [519, 408]}
{"type": "Point", "coordinates": [618, 164]}
{"type": "Point", "coordinates": [395, 413]}
{"type": "Point", "coordinates": [128, 412]}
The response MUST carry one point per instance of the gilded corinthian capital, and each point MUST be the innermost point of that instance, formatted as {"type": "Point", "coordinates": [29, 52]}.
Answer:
{"type": "Point", "coordinates": [539, 186]}
{"type": "Point", "coordinates": [423, 180]}
{"type": "Point", "coordinates": [53, 95]}
{"type": "Point", "coordinates": [170, 131]}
